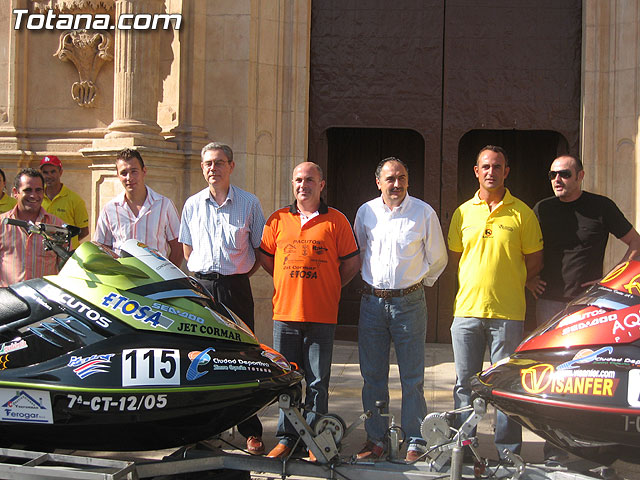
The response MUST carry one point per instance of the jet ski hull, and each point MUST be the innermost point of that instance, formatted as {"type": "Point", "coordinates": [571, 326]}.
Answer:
{"type": "Point", "coordinates": [128, 359]}
{"type": "Point", "coordinates": [583, 410]}
{"type": "Point", "coordinates": [576, 380]}
{"type": "Point", "coordinates": [147, 420]}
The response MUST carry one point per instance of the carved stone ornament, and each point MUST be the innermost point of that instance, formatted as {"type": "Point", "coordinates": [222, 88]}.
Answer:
{"type": "Point", "coordinates": [73, 5]}
{"type": "Point", "coordinates": [88, 51]}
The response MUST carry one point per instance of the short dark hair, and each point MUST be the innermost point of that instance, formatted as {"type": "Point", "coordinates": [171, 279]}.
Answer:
{"type": "Point", "coordinates": [4, 179]}
{"type": "Point", "coordinates": [389, 159]}
{"type": "Point", "coordinates": [27, 172]}
{"type": "Point", "coordinates": [496, 149]}
{"type": "Point", "coordinates": [217, 146]}
{"type": "Point", "coordinates": [576, 162]}
{"type": "Point", "coordinates": [128, 153]}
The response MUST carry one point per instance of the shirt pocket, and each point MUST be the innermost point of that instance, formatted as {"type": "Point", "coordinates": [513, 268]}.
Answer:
{"type": "Point", "coordinates": [237, 236]}
{"type": "Point", "coordinates": [408, 245]}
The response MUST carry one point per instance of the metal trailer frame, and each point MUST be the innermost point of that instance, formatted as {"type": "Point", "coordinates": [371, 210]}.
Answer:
{"type": "Point", "coordinates": [443, 459]}
{"type": "Point", "coordinates": [41, 466]}
{"type": "Point", "coordinates": [38, 465]}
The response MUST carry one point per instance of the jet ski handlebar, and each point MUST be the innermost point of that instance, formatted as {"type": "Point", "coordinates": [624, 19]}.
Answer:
{"type": "Point", "coordinates": [56, 238]}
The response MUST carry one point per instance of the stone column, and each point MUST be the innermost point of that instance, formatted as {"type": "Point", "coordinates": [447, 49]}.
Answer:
{"type": "Point", "coordinates": [136, 82]}
{"type": "Point", "coordinates": [185, 90]}
{"type": "Point", "coordinates": [13, 116]}
{"type": "Point", "coordinates": [611, 107]}
{"type": "Point", "coordinates": [137, 92]}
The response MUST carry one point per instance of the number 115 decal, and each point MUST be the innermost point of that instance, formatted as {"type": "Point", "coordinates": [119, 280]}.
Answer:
{"type": "Point", "coordinates": [150, 366]}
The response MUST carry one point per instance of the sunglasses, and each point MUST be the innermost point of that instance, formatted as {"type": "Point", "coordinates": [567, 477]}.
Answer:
{"type": "Point", "coordinates": [562, 173]}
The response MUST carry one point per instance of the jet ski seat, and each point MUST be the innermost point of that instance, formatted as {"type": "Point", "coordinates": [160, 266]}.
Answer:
{"type": "Point", "coordinates": [12, 307]}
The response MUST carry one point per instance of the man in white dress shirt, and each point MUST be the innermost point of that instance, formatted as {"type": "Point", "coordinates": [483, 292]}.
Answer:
{"type": "Point", "coordinates": [139, 212]}
{"type": "Point", "coordinates": [402, 250]}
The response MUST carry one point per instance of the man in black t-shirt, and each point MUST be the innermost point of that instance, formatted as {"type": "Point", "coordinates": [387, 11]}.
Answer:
{"type": "Point", "coordinates": [575, 229]}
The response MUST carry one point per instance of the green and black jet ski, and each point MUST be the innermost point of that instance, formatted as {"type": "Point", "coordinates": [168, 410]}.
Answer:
{"type": "Point", "coordinates": [127, 353]}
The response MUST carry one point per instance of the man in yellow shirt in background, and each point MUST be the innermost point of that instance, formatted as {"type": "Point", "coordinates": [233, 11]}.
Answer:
{"type": "Point", "coordinates": [62, 202]}
{"type": "Point", "coordinates": [7, 202]}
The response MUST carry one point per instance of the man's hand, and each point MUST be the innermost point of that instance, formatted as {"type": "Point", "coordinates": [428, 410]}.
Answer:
{"type": "Point", "coordinates": [536, 285]}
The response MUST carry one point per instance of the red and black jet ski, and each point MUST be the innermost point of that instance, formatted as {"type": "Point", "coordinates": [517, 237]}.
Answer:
{"type": "Point", "coordinates": [576, 380]}
{"type": "Point", "coordinates": [127, 353]}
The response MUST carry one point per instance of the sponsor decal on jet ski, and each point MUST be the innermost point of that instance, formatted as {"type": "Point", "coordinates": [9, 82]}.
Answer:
{"type": "Point", "coordinates": [584, 320]}
{"type": "Point", "coordinates": [28, 406]}
{"type": "Point", "coordinates": [178, 312]}
{"type": "Point", "coordinates": [59, 296]}
{"type": "Point", "coordinates": [144, 313]}
{"type": "Point", "coordinates": [208, 330]}
{"type": "Point", "coordinates": [623, 278]}
{"type": "Point", "coordinates": [543, 378]}
{"type": "Point", "coordinates": [210, 363]}
{"type": "Point", "coordinates": [13, 345]}
{"type": "Point", "coordinates": [584, 356]}
{"type": "Point", "coordinates": [84, 367]}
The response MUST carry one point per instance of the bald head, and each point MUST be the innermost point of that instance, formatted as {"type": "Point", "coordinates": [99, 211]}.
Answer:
{"type": "Point", "coordinates": [308, 183]}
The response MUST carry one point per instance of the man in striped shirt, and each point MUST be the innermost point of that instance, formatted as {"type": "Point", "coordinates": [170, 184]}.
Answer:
{"type": "Point", "coordinates": [220, 230]}
{"type": "Point", "coordinates": [139, 212]}
{"type": "Point", "coordinates": [23, 256]}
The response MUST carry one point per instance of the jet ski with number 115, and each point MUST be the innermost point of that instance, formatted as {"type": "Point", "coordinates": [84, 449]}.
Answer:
{"type": "Point", "coordinates": [126, 353]}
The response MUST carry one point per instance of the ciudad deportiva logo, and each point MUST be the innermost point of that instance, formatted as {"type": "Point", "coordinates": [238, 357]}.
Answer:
{"type": "Point", "coordinates": [94, 21]}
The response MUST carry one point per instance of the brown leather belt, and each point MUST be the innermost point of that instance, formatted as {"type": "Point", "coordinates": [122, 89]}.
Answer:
{"type": "Point", "coordinates": [390, 292]}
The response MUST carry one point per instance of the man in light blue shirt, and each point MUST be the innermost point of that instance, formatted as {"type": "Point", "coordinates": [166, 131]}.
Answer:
{"type": "Point", "coordinates": [220, 229]}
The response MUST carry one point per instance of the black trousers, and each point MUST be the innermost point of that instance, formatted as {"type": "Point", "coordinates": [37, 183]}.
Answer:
{"type": "Point", "coordinates": [235, 292]}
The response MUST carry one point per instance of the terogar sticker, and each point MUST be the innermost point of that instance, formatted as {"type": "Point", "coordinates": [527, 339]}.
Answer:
{"type": "Point", "coordinates": [27, 406]}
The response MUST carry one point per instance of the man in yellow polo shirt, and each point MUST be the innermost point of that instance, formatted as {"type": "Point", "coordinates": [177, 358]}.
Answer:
{"type": "Point", "coordinates": [496, 242]}
{"type": "Point", "coordinates": [62, 202]}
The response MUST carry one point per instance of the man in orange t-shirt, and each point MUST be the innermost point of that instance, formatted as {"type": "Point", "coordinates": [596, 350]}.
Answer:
{"type": "Point", "coordinates": [311, 251]}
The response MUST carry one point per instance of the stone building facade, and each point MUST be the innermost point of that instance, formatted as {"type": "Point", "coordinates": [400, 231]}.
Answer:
{"type": "Point", "coordinates": [239, 71]}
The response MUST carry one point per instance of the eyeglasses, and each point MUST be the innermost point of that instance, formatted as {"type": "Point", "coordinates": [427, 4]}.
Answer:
{"type": "Point", "coordinates": [562, 173]}
{"type": "Point", "coordinates": [217, 164]}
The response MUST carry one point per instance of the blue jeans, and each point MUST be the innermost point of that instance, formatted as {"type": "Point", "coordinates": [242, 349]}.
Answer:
{"type": "Point", "coordinates": [546, 309]}
{"type": "Point", "coordinates": [403, 320]}
{"type": "Point", "coordinates": [310, 345]}
{"type": "Point", "coordinates": [469, 337]}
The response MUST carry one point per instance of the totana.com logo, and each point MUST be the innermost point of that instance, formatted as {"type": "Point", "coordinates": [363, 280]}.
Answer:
{"type": "Point", "coordinates": [97, 21]}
